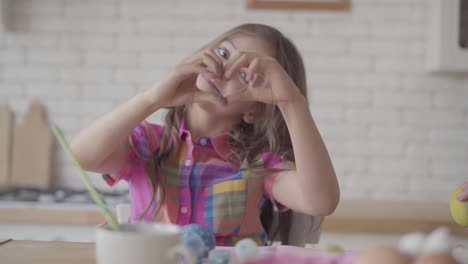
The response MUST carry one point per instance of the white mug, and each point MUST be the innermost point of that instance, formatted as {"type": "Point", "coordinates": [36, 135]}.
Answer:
{"type": "Point", "coordinates": [141, 243]}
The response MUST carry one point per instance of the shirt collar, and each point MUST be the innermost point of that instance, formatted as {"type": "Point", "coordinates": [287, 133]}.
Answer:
{"type": "Point", "coordinates": [220, 144]}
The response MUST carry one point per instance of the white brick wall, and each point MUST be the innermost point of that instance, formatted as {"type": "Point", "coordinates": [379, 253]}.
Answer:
{"type": "Point", "coordinates": [393, 130]}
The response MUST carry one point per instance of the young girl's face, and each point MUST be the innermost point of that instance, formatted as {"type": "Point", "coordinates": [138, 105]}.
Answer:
{"type": "Point", "coordinates": [225, 50]}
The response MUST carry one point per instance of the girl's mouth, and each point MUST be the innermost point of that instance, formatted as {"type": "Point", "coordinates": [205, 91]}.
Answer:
{"type": "Point", "coordinates": [211, 79]}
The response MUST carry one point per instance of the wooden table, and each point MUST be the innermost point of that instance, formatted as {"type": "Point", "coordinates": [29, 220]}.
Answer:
{"type": "Point", "coordinates": [59, 252]}
{"type": "Point", "coordinates": [351, 216]}
{"type": "Point", "coordinates": [46, 252]}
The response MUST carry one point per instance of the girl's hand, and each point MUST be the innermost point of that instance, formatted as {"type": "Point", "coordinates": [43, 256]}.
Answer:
{"type": "Point", "coordinates": [463, 195]}
{"type": "Point", "coordinates": [179, 87]}
{"type": "Point", "coordinates": [267, 81]}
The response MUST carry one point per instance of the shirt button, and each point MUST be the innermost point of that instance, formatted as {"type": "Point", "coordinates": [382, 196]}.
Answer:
{"type": "Point", "coordinates": [188, 162]}
{"type": "Point", "coordinates": [203, 141]}
{"type": "Point", "coordinates": [184, 210]}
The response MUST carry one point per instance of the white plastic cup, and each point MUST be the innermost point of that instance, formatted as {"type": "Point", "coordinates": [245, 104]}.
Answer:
{"type": "Point", "coordinates": [142, 243]}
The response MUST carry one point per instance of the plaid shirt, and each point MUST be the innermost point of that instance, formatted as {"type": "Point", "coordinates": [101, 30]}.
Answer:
{"type": "Point", "coordinates": [205, 185]}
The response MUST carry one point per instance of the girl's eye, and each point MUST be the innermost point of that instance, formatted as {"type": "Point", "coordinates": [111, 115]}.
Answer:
{"type": "Point", "coordinates": [243, 75]}
{"type": "Point", "coordinates": [224, 53]}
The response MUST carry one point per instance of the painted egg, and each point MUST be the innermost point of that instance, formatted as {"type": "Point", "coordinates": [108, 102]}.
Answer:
{"type": "Point", "coordinates": [412, 244]}
{"type": "Point", "coordinates": [438, 241]}
{"type": "Point", "coordinates": [245, 249]}
{"type": "Point", "coordinates": [198, 239]}
{"type": "Point", "coordinates": [334, 249]}
{"type": "Point", "coordinates": [219, 256]}
{"type": "Point", "coordinates": [459, 209]}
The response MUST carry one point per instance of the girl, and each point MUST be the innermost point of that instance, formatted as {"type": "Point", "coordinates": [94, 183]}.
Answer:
{"type": "Point", "coordinates": [238, 139]}
{"type": "Point", "coordinates": [463, 195]}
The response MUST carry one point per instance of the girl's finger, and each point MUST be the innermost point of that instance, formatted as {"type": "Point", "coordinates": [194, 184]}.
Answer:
{"type": "Point", "coordinates": [215, 62]}
{"type": "Point", "coordinates": [192, 69]}
{"type": "Point", "coordinates": [213, 53]}
{"type": "Point", "coordinates": [242, 61]}
{"type": "Point", "coordinates": [231, 60]}
{"type": "Point", "coordinates": [241, 95]}
{"type": "Point", "coordinates": [201, 96]}
{"type": "Point", "coordinates": [212, 64]}
{"type": "Point", "coordinates": [252, 69]}
{"type": "Point", "coordinates": [464, 186]}
{"type": "Point", "coordinates": [463, 196]}
{"type": "Point", "coordinates": [195, 58]}
{"type": "Point", "coordinates": [258, 81]}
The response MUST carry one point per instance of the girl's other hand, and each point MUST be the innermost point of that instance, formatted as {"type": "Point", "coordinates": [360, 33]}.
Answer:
{"type": "Point", "coordinates": [267, 81]}
{"type": "Point", "coordinates": [463, 195]}
{"type": "Point", "coordinates": [179, 87]}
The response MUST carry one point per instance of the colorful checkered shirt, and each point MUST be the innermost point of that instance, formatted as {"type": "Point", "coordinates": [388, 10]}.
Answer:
{"type": "Point", "coordinates": [205, 185]}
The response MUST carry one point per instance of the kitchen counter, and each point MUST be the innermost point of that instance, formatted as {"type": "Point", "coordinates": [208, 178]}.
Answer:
{"type": "Point", "coordinates": [391, 217]}
{"type": "Point", "coordinates": [41, 213]}
{"type": "Point", "coordinates": [41, 252]}
{"type": "Point", "coordinates": [351, 216]}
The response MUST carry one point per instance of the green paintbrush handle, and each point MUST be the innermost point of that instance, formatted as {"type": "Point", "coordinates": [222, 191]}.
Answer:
{"type": "Point", "coordinates": [85, 178]}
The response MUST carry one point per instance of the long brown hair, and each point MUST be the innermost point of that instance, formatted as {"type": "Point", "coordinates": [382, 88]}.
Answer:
{"type": "Point", "coordinates": [268, 132]}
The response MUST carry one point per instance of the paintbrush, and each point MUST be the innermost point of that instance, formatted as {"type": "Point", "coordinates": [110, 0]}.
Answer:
{"type": "Point", "coordinates": [97, 198]}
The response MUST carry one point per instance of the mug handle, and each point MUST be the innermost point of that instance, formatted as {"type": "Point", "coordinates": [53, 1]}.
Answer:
{"type": "Point", "coordinates": [181, 251]}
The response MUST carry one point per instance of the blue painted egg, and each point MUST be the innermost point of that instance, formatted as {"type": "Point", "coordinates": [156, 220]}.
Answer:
{"type": "Point", "coordinates": [219, 256]}
{"type": "Point", "coordinates": [246, 249]}
{"type": "Point", "coordinates": [198, 239]}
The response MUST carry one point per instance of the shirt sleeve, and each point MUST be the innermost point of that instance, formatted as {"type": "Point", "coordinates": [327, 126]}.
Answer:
{"type": "Point", "coordinates": [276, 162]}
{"type": "Point", "coordinates": [143, 141]}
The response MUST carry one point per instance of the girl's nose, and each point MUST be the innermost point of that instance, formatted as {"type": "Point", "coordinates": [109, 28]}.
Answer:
{"type": "Point", "coordinates": [219, 82]}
